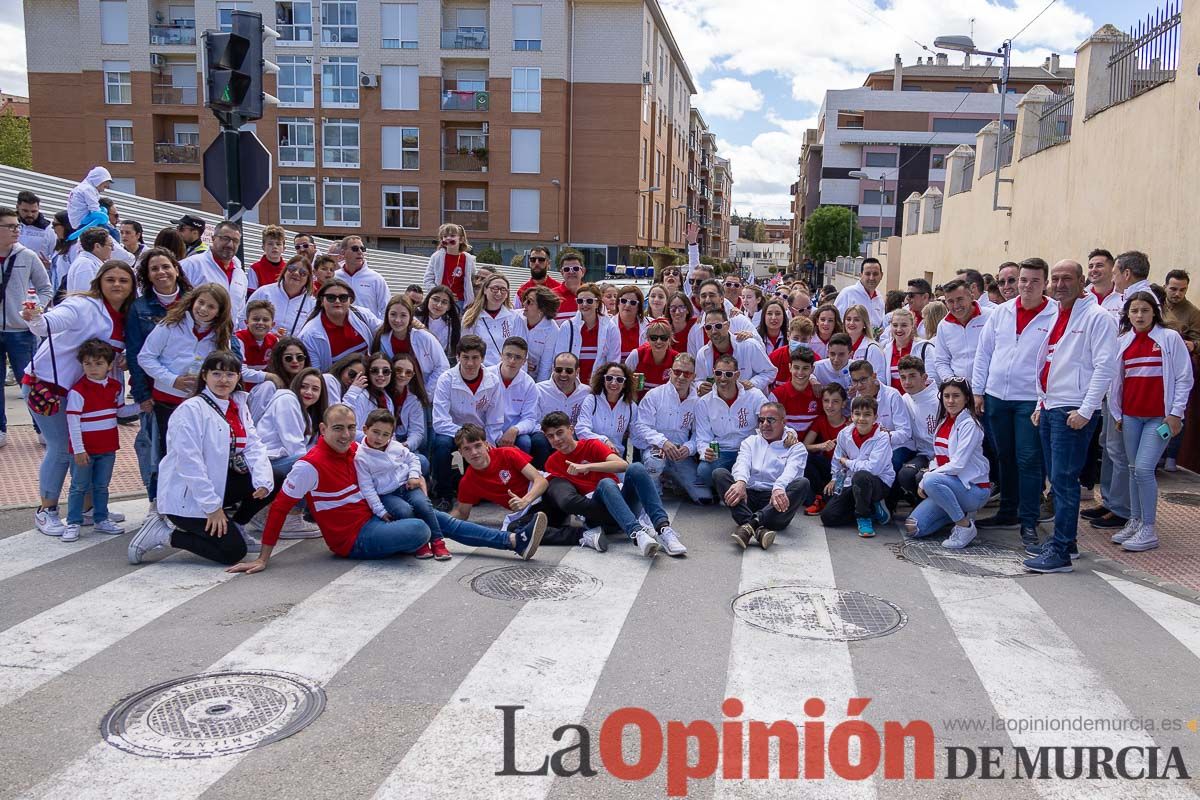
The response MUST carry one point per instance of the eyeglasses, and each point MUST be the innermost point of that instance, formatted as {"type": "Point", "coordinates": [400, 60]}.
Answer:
{"type": "Point", "coordinates": [381, 370]}
{"type": "Point", "coordinates": [351, 374]}
{"type": "Point", "coordinates": [357, 248]}
{"type": "Point", "coordinates": [586, 301]}
{"type": "Point", "coordinates": [682, 373]}
{"type": "Point", "coordinates": [538, 259]}
{"type": "Point", "coordinates": [498, 287]}
{"type": "Point", "coordinates": [724, 373]}
{"type": "Point", "coordinates": [571, 270]}
{"type": "Point", "coordinates": [403, 373]}
{"type": "Point", "coordinates": [714, 326]}
{"type": "Point", "coordinates": [227, 238]}
{"type": "Point", "coordinates": [295, 358]}
{"type": "Point", "coordinates": [767, 420]}
{"type": "Point", "coordinates": [297, 268]}
{"type": "Point", "coordinates": [617, 379]}
{"type": "Point", "coordinates": [564, 370]}
{"type": "Point", "coordinates": [678, 309]}
{"type": "Point", "coordinates": [336, 298]}
{"type": "Point", "coordinates": [629, 301]}
{"type": "Point", "coordinates": [513, 356]}
{"type": "Point", "coordinates": [658, 337]}
{"type": "Point", "coordinates": [14, 227]}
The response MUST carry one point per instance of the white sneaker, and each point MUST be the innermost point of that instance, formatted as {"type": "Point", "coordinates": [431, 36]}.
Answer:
{"type": "Point", "coordinates": [154, 533]}
{"type": "Point", "coordinates": [3, 438]}
{"type": "Point", "coordinates": [960, 537]}
{"type": "Point", "coordinates": [71, 533]}
{"type": "Point", "coordinates": [110, 527]}
{"type": "Point", "coordinates": [295, 526]}
{"type": "Point", "coordinates": [669, 540]}
{"type": "Point", "coordinates": [646, 543]}
{"type": "Point", "coordinates": [1144, 539]}
{"type": "Point", "coordinates": [48, 522]}
{"type": "Point", "coordinates": [1128, 532]}
{"type": "Point", "coordinates": [41, 439]}
{"type": "Point", "coordinates": [594, 538]}
{"type": "Point", "coordinates": [253, 545]}
{"type": "Point", "coordinates": [113, 516]}
{"type": "Point", "coordinates": [645, 521]}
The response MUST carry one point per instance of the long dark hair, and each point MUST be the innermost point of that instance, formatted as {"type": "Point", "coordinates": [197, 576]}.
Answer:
{"type": "Point", "coordinates": [964, 386]}
{"type": "Point", "coordinates": [762, 317]}
{"type": "Point", "coordinates": [628, 393]}
{"type": "Point", "coordinates": [63, 245]}
{"type": "Point", "coordinates": [385, 329]}
{"type": "Point", "coordinates": [143, 271]}
{"type": "Point", "coordinates": [224, 360]}
{"type": "Point", "coordinates": [452, 317]}
{"type": "Point", "coordinates": [275, 363]}
{"type": "Point", "coordinates": [373, 392]}
{"type": "Point", "coordinates": [335, 283]}
{"type": "Point", "coordinates": [170, 239]}
{"type": "Point", "coordinates": [416, 384]}
{"type": "Point", "coordinates": [687, 303]}
{"type": "Point", "coordinates": [316, 412]}
{"type": "Point", "coordinates": [1145, 297]}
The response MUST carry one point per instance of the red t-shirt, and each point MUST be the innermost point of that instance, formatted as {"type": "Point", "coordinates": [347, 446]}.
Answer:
{"type": "Point", "coordinates": [587, 451]}
{"type": "Point", "coordinates": [400, 345]}
{"type": "Point", "coordinates": [549, 283]}
{"type": "Point", "coordinates": [1025, 317]}
{"type": "Point", "coordinates": [655, 374]}
{"type": "Point", "coordinates": [630, 338]}
{"type": "Point", "coordinates": [1056, 333]}
{"type": "Point", "coordinates": [781, 357]}
{"type": "Point", "coordinates": [454, 271]}
{"type": "Point", "coordinates": [588, 346]}
{"type": "Point", "coordinates": [343, 338]}
{"type": "Point", "coordinates": [474, 385]}
{"type": "Point", "coordinates": [568, 307]}
{"type": "Point", "coordinates": [1142, 393]}
{"type": "Point", "coordinates": [801, 405]}
{"type": "Point", "coordinates": [679, 341]}
{"type": "Point", "coordinates": [826, 432]}
{"type": "Point", "coordinates": [266, 271]}
{"type": "Point", "coordinates": [897, 354]}
{"type": "Point", "coordinates": [502, 476]}
{"type": "Point", "coordinates": [255, 355]}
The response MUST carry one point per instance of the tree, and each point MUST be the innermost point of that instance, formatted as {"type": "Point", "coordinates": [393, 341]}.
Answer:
{"type": "Point", "coordinates": [754, 230]}
{"type": "Point", "coordinates": [831, 231]}
{"type": "Point", "coordinates": [16, 149]}
{"type": "Point", "coordinates": [490, 255]}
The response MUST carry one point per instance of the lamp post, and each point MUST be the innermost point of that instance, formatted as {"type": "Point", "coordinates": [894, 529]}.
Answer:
{"type": "Point", "coordinates": [964, 44]}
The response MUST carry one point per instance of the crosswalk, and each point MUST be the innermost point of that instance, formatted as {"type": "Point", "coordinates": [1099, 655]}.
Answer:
{"type": "Point", "coordinates": [415, 665]}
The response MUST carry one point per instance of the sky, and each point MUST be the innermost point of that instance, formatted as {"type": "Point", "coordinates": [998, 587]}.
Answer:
{"type": "Point", "coordinates": [762, 66]}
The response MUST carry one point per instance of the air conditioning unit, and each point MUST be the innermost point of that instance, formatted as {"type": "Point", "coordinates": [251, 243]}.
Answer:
{"type": "Point", "coordinates": [156, 60]}
{"type": "Point", "coordinates": [368, 81]}
{"type": "Point", "coordinates": [646, 78]}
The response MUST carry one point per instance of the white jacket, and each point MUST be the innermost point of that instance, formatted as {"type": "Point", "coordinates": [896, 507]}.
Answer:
{"type": "Point", "coordinates": [454, 404]}
{"type": "Point", "coordinates": [202, 268]}
{"type": "Point", "coordinates": [856, 295]}
{"type": "Point", "coordinates": [541, 340]}
{"type": "Point", "coordinates": [85, 197]}
{"type": "Point", "coordinates": [433, 273]}
{"type": "Point", "coordinates": [765, 466]}
{"type": "Point", "coordinates": [551, 398]}
{"type": "Point", "coordinates": [40, 240]}
{"type": "Point", "coordinates": [426, 349]}
{"type": "Point", "coordinates": [956, 346]}
{"type": "Point", "coordinates": [316, 341]}
{"type": "Point", "coordinates": [737, 324]}
{"type": "Point", "coordinates": [70, 323]}
{"type": "Point", "coordinates": [357, 399]}
{"type": "Point", "coordinates": [493, 331]}
{"type": "Point", "coordinates": [1006, 365]}
{"type": "Point", "coordinates": [370, 289]}
{"type": "Point", "coordinates": [753, 364]}
{"type": "Point", "coordinates": [965, 449]}
{"type": "Point", "coordinates": [520, 402]}
{"type": "Point", "coordinates": [599, 420]}
{"type": "Point", "coordinates": [716, 421]}
{"type": "Point", "coordinates": [1176, 372]}
{"type": "Point", "coordinates": [1084, 361]}
{"type": "Point", "coordinates": [825, 374]}
{"type": "Point", "coordinates": [871, 351]}
{"type": "Point", "coordinates": [921, 349]}
{"type": "Point", "coordinates": [82, 271]}
{"type": "Point", "coordinates": [608, 339]}
{"type": "Point", "coordinates": [893, 416]}
{"type": "Point", "coordinates": [383, 472]}
{"type": "Point", "coordinates": [923, 410]}
{"type": "Point", "coordinates": [875, 456]}
{"type": "Point", "coordinates": [192, 474]}
{"type": "Point", "coordinates": [171, 351]}
{"type": "Point", "coordinates": [290, 312]}
{"type": "Point", "coordinates": [662, 417]}
{"type": "Point", "coordinates": [410, 423]}
{"type": "Point", "coordinates": [281, 427]}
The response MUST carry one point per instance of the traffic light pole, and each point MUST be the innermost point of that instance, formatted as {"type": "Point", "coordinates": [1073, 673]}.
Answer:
{"type": "Point", "coordinates": [233, 178]}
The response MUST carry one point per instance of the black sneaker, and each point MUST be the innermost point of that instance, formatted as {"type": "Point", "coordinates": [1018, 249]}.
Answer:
{"type": "Point", "coordinates": [1048, 561]}
{"type": "Point", "coordinates": [1046, 512]}
{"type": "Point", "coordinates": [1029, 538]}
{"type": "Point", "coordinates": [444, 504]}
{"type": "Point", "coordinates": [1109, 520]}
{"type": "Point", "coordinates": [998, 522]}
{"type": "Point", "coordinates": [1094, 513]}
{"type": "Point", "coordinates": [530, 537]}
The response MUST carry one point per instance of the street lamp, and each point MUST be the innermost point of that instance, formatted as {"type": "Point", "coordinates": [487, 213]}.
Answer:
{"type": "Point", "coordinates": [964, 44]}
{"type": "Point", "coordinates": [861, 175]}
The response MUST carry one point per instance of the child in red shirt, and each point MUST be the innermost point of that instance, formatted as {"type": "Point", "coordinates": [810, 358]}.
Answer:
{"type": "Point", "coordinates": [92, 407]}
{"type": "Point", "coordinates": [257, 338]}
{"type": "Point", "coordinates": [820, 441]}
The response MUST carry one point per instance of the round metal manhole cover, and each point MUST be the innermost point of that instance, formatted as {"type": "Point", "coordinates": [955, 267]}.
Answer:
{"type": "Point", "coordinates": [203, 716]}
{"type": "Point", "coordinates": [536, 582]}
{"type": "Point", "coordinates": [810, 612]}
{"type": "Point", "coordinates": [1182, 498]}
{"type": "Point", "coordinates": [979, 560]}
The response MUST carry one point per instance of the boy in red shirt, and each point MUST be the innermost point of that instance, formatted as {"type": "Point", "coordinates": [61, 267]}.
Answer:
{"type": "Point", "coordinates": [92, 407]}
{"type": "Point", "coordinates": [258, 337]}
{"type": "Point", "coordinates": [798, 396]}
{"type": "Point", "coordinates": [820, 441]}
{"type": "Point", "coordinates": [266, 270]}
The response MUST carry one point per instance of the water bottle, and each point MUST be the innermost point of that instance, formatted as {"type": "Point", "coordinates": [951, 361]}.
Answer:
{"type": "Point", "coordinates": [31, 299]}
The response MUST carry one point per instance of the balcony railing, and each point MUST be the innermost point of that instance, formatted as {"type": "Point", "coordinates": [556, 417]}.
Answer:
{"type": "Point", "coordinates": [166, 153]}
{"type": "Point", "coordinates": [453, 100]}
{"type": "Point", "coordinates": [180, 33]}
{"type": "Point", "coordinates": [167, 95]}
{"type": "Point", "coordinates": [465, 39]}
{"type": "Point", "coordinates": [465, 160]}
{"type": "Point", "coordinates": [471, 220]}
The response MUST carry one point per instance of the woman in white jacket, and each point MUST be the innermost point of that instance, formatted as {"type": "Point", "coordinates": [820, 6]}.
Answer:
{"type": "Point", "coordinates": [610, 410]}
{"type": "Point", "coordinates": [539, 329]}
{"type": "Point", "coordinates": [1148, 399]}
{"type": "Point", "coordinates": [410, 400]}
{"type": "Point", "coordinates": [397, 335]}
{"type": "Point", "coordinates": [291, 296]}
{"type": "Point", "coordinates": [346, 383]}
{"type": "Point", "coordinates": [901, 343]}
{"type": "Point", "coordinates": [288, 428]}
{"type": "Point", "coordinates": [491, 317]}
{"type": "Point", "coordinates": [593, 338]}
{"type": "Point", "coordinates": [336, 327]}
{"type": "Point", "coordinates": [216, 460]}
{"type": "Point", "coordinates": [956, 484]}
{"type": "Point", "coordinates": [857, 324]}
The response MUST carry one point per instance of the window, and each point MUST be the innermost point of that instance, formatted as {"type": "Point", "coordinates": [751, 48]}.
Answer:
{"type": "Point", "coordinates": [339, 138]}
{"type": "Point", "coordinates": [225, 10]}
{"type": "Point", "coordinates": [526, 151]}
{"type": "Point", "coordinates": [118, 86]}
{"type": "Point", "coordinates": [339, 23]}
{"type": "Point", "coordinates": [881, 159]}
{"type": "Point", "coordinates": [187, 134]}
{"type": "Point", "coordinates": [399, 26]}
{"type": "Point", "coordinates": [297, 200]}
{"type": "Point", "coordinates": [470, 80]}
{"type": "Point", "coordinates": [645, 103]}
{"type": "Point", "coordinates": [187, 191]}
{"type": "Point", "coordinates": [293, 21]}
{"type": "Point", "coordinates": [339, 82]}
{"type": "Point", "coordinates": [527, 27]}
{"type": "Point", "coordinates": [127, 185]}
{"type": "Point", "coordinates": [400, 88]}
{"type": "Point", "coordinates": [120, 140]}
{"type": "Point", "coordinates": [524, 211]}
{"type": "Point", "coordinates": [958, 125]}
{"type": "Point", "coordinates": [937, 161]}
{"type": "Point", "coordinates": [401, 207]}
{"type": "Point", "coordinates": [873, 197]}
{"type": "Point", "coordinates": [645, 162]}
{"type": "Point", "coordinates": [471, 199]}
{"type": "Point", "coordinates": [114, 22]}
{"type": "Point", "coordinates": [342, 202]}
{"type": "Point", "coordinates": [295, 81]}
{"type": "Point", "coordinates": [297, 142]}
{"type": "Point", "coordinates": [471, 20]}
{"type": "Point", "coordinates": [527, 90]}
{"type": "Point", "coordinates": [401, 148]}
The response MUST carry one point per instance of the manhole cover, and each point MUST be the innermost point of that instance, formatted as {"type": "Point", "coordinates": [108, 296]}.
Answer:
{"type": "Point", "coordinates": [535, 582]}
{"type": "Point", "coordinates": [1182, 498]}
{"type": "Point", "coordinates": [809, 612]}
{"type": "Point", "coordinates": [202, 716]}
{"type": "Point", "coordinates": [979, 560]}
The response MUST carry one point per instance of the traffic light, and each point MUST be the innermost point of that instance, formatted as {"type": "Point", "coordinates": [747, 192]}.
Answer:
{"type": "Point", "coordinates": [234, 67]}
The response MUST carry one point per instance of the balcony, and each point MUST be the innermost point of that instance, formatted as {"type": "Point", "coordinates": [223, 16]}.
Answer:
{"type": "Point", "coordinates": [463, 160]}
{"type": "Point", "coordinates": [166, 153]}
{"type": "Point", "coordinates": [181, 33]}
{"type": "Point", "coordinates": [164, 94]}
{"type": "Point", "coordinates": [471, 220]}
{"type": "Point", "coordinates": [465, 39]}
{"type": "Point", "coordinates": [455, 100]}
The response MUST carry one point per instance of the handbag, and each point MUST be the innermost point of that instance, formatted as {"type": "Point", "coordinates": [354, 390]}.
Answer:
{"type": "Point", "coordinates": [45, 398]}
{"type": "Point", "coordinates": [237, 461]}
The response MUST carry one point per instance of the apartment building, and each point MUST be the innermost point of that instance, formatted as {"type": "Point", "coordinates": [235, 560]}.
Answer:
{"type": "Point", "coordinates": [897, 129]}
{"type": "Point", "coordinates": [526, 122]}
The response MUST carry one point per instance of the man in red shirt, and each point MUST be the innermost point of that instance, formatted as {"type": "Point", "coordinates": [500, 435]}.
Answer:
{"type": "Point", "coordinates": [572, 270]}
{"type": "Point", "coordinates": [538, 261]}
{"type": "Point", "coordinates": [583, 481]}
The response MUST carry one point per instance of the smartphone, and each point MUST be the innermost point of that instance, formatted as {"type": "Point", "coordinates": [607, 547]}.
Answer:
{"type": "Point", "coordinates": [1164, 431]}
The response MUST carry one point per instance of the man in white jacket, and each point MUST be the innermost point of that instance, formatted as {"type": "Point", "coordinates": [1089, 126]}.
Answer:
{"type": "Point", "coordinates": [863, 293]}
{"type": "Point", "coordinates": [757, 371]}
{"type": "Point", "coordinates": [370, 289]}
{"type": "Point", "coordinates": [96, 248]}
{"type": "Point", "coordinates": [1077, 364]}
{"type": "Point", "coordinates": [466, 393]}
{"type": "Point", "coordinates": [219, 264]}
{"type": "Point", "coordinates": [519, 393]}
{"type": "Point", "coordinates": [958, 334]}
{"type": "Point", "coordinates": [664, 430]}
{"type": "Point", "coordinates": [562, 392]}
{"type": "Point", "coordinates": [725, 416]}
{"type": "Point", "coordinates": [766, 486]}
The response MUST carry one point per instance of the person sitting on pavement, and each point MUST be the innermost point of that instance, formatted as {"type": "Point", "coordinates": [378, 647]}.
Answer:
{"type": "Point", "coordinates": [725, 416]}
{"type": "Point", "coordinates": [664, 431]}
{"type": "Point", "coordinates": [892, 412]}
{"type": "Point", "coordinates": [799, 396]}
{"type": "Point", "coordinates": [466, 393]}
{"type": "Point", "coordinates": [562, 392]}
{"type": "Point", "coordinates": [820, 441]}
{"type": "Point", "coordinates": [862, 472]}
{"type": "Point", "coordinates": [608, 413]}
{"type": "Point", "coordinates": [923, 400]}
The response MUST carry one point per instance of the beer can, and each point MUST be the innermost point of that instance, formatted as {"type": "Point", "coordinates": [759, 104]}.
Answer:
{"type": "Point", "coordinates": [640, 380]}
{"type": "Point", "coordinates": [715, 447]}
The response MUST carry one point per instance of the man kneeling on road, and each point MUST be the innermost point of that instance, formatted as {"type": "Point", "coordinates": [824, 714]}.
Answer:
{"type": "Point", "coordinates": [767, 485]}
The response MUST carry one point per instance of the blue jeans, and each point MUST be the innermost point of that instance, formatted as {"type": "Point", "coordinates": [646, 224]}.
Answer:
{"type": "Point", "coordinates": [635, 493]}
{"type": "Point", "coordinates": [471, 534]}
{"type": "Point", "coordinates": [445, 478]}
{"type": "Point", "coordinates": [1065, 451]}
{"type": "Point", "coordinates": [405, 503]}
{"type": "Point", "coordinates": [684, 472]}
{"type": "Point", "coordinates": [94, 477]}
{"type": "Point", "coordinates": [946, 500]}
{"type": "Point", "coordinates": [16, 348]}
{"type": "Point", "coordinates": [1114, 468]}
{"type": "Point", "coordinates": [379, 539]}
{"type": "Point", "coordinates": [705, 469]}
{"type": "Point", "coordinates": [539, 448]}
{"type": "Point", "coordinates": [1019, 452]}
{"type": "Point", "coordinates": [57, 458]}
{"type": "Point", "coordinates": [144, 448]}
{"type": "Point", "coordinates": [1143, 447]}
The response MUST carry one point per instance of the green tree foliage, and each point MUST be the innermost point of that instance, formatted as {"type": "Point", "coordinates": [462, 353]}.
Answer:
{"type": "Point", "coordinates": [831, 231]}
{"type": "Point", "coordinates": [16, 148]}
{"type": "Point", "coordinates": [490, 255]}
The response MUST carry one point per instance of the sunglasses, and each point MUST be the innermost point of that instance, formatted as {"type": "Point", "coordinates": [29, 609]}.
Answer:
{"type": "Point", "coordinates": [303, 246]}
{"type": "Point", "coordinates": [714, 326]}
{"type": "Point", "coordinates": [295, 358]}
{"type": "Point", "coordinates": [1007, 281]}
{"type": "Point", "coordinates": [571, 270]}
{"type": "Point", "coordinates": [617, 379]}
{"type": "Point", "coordinates": [682, 373]}
{"type": "Point", "coordinates": [586, 301]}
{"type": "Point", "coordinates": [626, 301]}
{"type": "Point", "coordinates": [336, 298]}
{"type": "Point", "coordinates": [564, 370]}
{"type": "Point", "coordinates": [733, 286]}
{"type": "Point", "coordinates": [696, 281]}
{"type": "Point", "coordinates": [381, 370]}
{"type": "Point", "coordinates": [724, 373]}
{"type": "Point", "coordinates": [351, 374]}
{"type": "Point", "coordinates": [403, 373]}
{"type": "Point", "coordinates": [538, 259]}
{"type": "Point", "coordinates": [767, 420]}
{"type": "Point", "coordinates": [296, 268]}
{"type": "Point", "coordinates": [658, 337]}
{"type": "Point", "coordinates": [357, 248]}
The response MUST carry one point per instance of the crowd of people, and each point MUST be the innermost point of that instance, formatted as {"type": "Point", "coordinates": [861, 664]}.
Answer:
{"type": "Point", "coordinates": [298, 397]}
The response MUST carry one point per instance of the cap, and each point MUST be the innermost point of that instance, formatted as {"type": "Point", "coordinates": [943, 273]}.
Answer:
{"type": "Point", "coordinates": [191, 222]}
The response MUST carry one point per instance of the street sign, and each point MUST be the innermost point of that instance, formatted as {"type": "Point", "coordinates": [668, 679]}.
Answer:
{"type": "Point", "coordinates": [253, 170]}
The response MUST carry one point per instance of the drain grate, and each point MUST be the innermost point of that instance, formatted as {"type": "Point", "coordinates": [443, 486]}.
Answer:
{"type": "Point", "coordinates": [536, 582]}
{"type": "Point", "coordinates": [979, 560]}
{"type": "Point", "coordinates": [810, 612]}
{"type": "Point", "coordinates": [1182, 498]}
{"type": "Point", "coordinates": [202, 716]}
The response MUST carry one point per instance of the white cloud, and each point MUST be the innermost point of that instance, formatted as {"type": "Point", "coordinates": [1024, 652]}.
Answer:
{"type": "Point", "coordinates": [764, 169]}
{"type": "Point", "coordinates": [728, 98]}
{"type": "Point", "coordinates": [13, 78]}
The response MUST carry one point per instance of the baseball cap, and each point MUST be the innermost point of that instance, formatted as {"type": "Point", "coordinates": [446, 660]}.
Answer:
{"type": "Point", "coordinates": [191, 222]}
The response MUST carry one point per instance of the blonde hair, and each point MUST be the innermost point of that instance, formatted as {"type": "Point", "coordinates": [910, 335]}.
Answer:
{"type": "Point", "coordinates": [932, 314]}
{"type": "Point", "coordinates": [473, 312]}
{"type": "Point", "coordinates": [448, 228]}
{"type": "Point", "coordinates": [863, 316]}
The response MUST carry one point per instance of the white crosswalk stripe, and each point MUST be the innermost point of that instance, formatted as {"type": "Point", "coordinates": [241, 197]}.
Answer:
{"type": "Point", "coordinates": [32, 549]}
{"type": "Point", "coordinates": [1179, 617]}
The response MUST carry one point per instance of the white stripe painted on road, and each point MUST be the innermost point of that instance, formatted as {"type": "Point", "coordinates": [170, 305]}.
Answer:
{"type": "Point", "coordinates": [316, 639]}
{"type": "Point", "coordinates": [32, 549]}
{"type": "Point", "coordinates": [1178, 617]}
{"type": "Point", "coordinates": [1032, 671]}
{"type": "Point", "coordinates": [759, 660]}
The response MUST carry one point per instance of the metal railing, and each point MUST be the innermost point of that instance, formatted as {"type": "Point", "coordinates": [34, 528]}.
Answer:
{"type": "Point", "coordinates": [164, 94]}
{"type": "Point", "coordinates": [968, 176]}
{"type": "Point", "coordinates": [471, 220]}
{"type": "Point", "coordinates": [453, 100]}
{"type": "Point", "coordinates": [464, 160]}
{"type": "Point", "coordinates": [1007, 140]}
{"type": "Point", "coordinates": [167, 153]}
{"type": "Point", "coordinates": [465, 39]}
{"type": "Point", "coordinates": [1150, 57]}
{"type": "Point", "coordinates": [173, 34]}
{"type": "Point", "coordinates": [1054, 123]}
